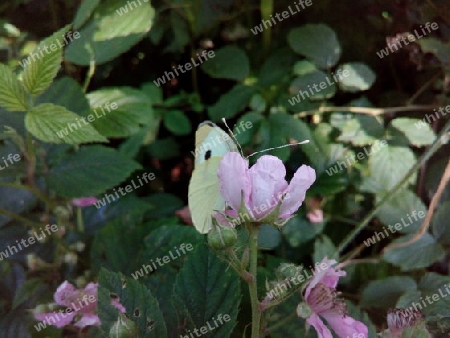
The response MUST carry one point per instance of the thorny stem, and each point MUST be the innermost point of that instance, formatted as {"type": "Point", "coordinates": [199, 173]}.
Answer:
{"type": "Point", "coordinates": [252, 285]}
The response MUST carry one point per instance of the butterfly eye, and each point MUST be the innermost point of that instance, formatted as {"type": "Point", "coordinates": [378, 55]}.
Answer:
{"type": "Point", "coordinates": [207, 154]}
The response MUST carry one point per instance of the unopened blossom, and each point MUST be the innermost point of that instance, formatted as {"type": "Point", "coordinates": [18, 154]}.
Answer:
{"type": "Point", "coordinates": [262, 192]}
{"type": "Point", "coordinates": [400, 319]}
{"type": "Point", "coordinates": [84, 201]}
{"type": "Point", "coordinates": [80, 307]}
{"type": "Point", "coordinates": [315, 216]}
{"type": "Point", "coordinates": [321, 300]}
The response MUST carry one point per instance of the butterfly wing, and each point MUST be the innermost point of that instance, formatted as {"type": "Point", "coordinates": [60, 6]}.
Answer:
{"type": "Point", "coordinates": [212, 143]}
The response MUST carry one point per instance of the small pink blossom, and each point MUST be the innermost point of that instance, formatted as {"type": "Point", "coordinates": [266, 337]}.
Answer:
{"type": "Point", "coordinates": [81, 307]}
{"type": "Point", "coordinates": [315, 216]}
{"type": "Point", "coordinates": [84, 201]}
{"type": "Point", "coordinates": [321, 297]}
{"type": "Point", "coordinates": [262, 190]}
{"type": "Point", "coordinates": [400, 319]}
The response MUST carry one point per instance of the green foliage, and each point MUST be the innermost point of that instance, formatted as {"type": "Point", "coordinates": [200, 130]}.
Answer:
{"type": "Point", "coordinates": [205, 289]}
{"type": "Point", "coordinates": [107, 33]}
{"type": "Point", "coordinates": [229, 63]}
{"type": "Point", "coordinates": [38, 74]}
{"type": "Point", "coordinates": [141, 307]}
{"type": "Point", "coordinates": [12, 93]}
{"type": "Point", "coordinates": [90, 171]}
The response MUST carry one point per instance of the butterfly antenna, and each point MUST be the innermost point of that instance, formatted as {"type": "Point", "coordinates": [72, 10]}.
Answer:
{"type": "Point", "coordinates": [232, 135]}
{"type": "Point", "coordinates": [286, 145]}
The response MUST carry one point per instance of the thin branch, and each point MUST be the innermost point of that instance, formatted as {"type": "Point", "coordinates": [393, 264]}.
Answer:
{"type": "Point", "coordinates": [365, 110]}
{"type": "Point", "coordinates": [427, 221]}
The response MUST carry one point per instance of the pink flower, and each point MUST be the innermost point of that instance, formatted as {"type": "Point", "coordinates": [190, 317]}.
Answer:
{"type": "Point", "coordinates": [400, 319]}
{"type": "Point", "coordinates": [84, 201]}
{"type": "Point", "coordinates": [321, 297]}
{"type": "Point", "coordinates": [262, 192]}
{"type": "Point", "coordinates": [81, 307]}
{"type": "Point", "coordinates": [315, 216]}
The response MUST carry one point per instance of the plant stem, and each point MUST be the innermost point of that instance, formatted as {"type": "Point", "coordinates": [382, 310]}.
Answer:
{"type": "Point", "coordinates": [19, 218]}
{"type": "Point", "coordinates": [252, 285]}
{"type": "Point", "coordinates": [266, 11]}
{"type": "Point", "coordinates": [89, 75]}
{"type": "Point", "coordinates": [421, 161]}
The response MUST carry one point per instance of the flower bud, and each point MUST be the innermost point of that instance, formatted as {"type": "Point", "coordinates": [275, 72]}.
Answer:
{"type": "Point", "coordinates": [288, 270]}
{"type": "Point", "coordinates": [303, 310]}
{"type": "Point", "coordinates": [220, 238]}
{"type": "Point", "coordinates": [123, 328]}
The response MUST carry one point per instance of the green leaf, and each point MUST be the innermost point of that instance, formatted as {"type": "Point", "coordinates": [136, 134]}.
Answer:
{"type": "Point", "coordinates": [268, 237]}
{"type": "Point", "coordinates": [304, 67]}
{"type": "Point", "coordinates": [67, 93]}
{"type": "Point", "coordinates": [118, 246]}
{"type": "Point", "coordinates": [12, 324]}
{"type": "Point", "coordinates": [204, 289]}
{"type": "Point", "coordinates": [323, 247]}
{"type": "Point", "coordinates": [141, 307]}
{"type": "Point", "coordinates": [298, 231]}
{"type": "Point", "coordinates": [309, 86]}
{"type": "Point", "coordinates": [404, 210]}
{"type": "Point", "coordinates": [276, 68]}
{"type": "Point", "coordinates": [440, 223]}
{"type": "Point", "coordinates": [55, 124]}
{"type": "Point", "coordinates": [163, 205]}
{"type": "Point", "coordinates": [84, 12]}
{"type": "Point", "coordinates": [114, 27]}
{"type": "Point", "coordinates": [177, 122]}
{"type": "Point", "coordinates": [246, 126]}
{"type": "Point", "coordinates": [180, 31]}
{"type": "Point", "coordinates": [361, 130]}
{"type": "Point", "coordinates": [17, 201]}
{"type": "Point", "coordinates": [90, 171]}
{"type": "Point", "coordinates": [354, 77]}
{"type": "Point", "coordinates": [388, 165]}
{"type": "Point", "coordinates": [27, 290]}
{"type": "Point", "coordinates": [231, 102]}
{"type": "Point", "coordinates": [435, 46]}
{"type": "Point", "coordinates": [417, 136]}
{"type": "Point", "coordinates": [417, 255]}
{"type": "Point", "coordinates": [13, 96]}
{"type": "Point", "coordinates": [390, 288]}
{"type": "Point", "coordinates": [164, 148]}
{"type": "Point", "coordinates": [317, 42]}
{"type": "Point", "coordinates": [258, 103]}
{"type": "Point", "coordinates": [230, 62]}
{"type": "Point", "coordinates": [43, 63]}
{"type": "Point", "coordinates": [120, 112]}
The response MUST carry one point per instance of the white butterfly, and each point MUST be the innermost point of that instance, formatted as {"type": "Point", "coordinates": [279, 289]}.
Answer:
{"type": "Point", "coordinates": [211, 144]}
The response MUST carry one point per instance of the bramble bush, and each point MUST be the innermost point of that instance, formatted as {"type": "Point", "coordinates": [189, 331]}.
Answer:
{"type": "Point", "coordinates": [99, 102]}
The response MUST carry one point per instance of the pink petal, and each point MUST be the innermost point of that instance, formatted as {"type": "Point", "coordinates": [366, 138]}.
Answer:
{"type": "Point", "coordinates": [315, 216]}
{"type": "Point", "coordinates": [233, 179]}
{"type": "Point", "coordinates": [328, 276]}
{"type": "Point", "coordinates": [268, 185]}
{"type": "Point", "coordinates": [303, 178]}
{"type": "Point", "coordinates": [88, 298]}
{"type": "Point", "coordinates": [84, 201]}
{"type": "Point", "coordinates": [118, 306]}
{"type": "Point", "coordinates": [88, 319]}
{"type": "Point", "coordinates": [57, 319]}
{"type": "Point", "coordinates": [322, 330]}
{"type": "Point", "coordinates": [66, 294]}
{"type": "Point", "coordinates": [345, 326]}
